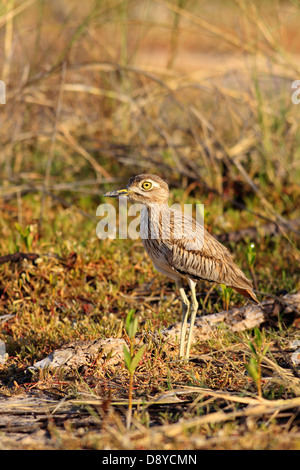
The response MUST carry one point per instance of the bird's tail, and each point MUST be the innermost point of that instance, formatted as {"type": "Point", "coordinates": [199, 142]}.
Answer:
{"type": "Point", "coordinates": [242, 284]}
{"type": "Point", "coordinates": [248, 293]}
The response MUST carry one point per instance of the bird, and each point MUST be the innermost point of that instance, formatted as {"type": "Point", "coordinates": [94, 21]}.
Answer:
{"type": "Point", "coordinates": [181, 248]}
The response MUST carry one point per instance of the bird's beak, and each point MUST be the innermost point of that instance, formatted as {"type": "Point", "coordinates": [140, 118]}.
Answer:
{"type": "Point", "coordinates": [117, 193]}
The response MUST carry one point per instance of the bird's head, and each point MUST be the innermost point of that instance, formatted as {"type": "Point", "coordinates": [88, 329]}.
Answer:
{"type": "Point", "coordinates": [144, 189]}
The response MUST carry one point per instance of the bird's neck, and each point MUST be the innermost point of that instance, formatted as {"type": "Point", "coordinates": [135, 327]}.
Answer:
{"type": "Point", "coordinates": [152, 218]}
{"type": "Point", "coordinates": [153, 209]}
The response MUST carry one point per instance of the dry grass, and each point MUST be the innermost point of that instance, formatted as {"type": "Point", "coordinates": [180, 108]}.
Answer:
{"type": "Point", "coordinates": [199, 93]}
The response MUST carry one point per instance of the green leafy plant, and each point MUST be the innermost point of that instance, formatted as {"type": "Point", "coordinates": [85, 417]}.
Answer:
{"type": "Point", "coordinates": [131, 359]}
{"type": "Point", "coordinates": [26, 235]}
{"type": "Point", "coordinates": [258, 351]}
{"type": "Point", "coordinates": [226, 294]}
{"type": "Point", "coordinates": [251, 255]}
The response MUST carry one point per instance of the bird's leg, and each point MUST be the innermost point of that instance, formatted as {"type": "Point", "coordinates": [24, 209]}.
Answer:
{"type": "Point", "coordinates": [185, 310]}
{"type": "Point", "coordinates": [194, 308]}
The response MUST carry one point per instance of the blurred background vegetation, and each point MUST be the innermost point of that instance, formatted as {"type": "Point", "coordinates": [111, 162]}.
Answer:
{"type": "Point", "coordinates": [196, 91]}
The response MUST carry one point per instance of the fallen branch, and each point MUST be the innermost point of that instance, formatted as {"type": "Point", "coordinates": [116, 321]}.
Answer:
{"type": "Point", "coordinates": [18, 256]}
{"type": "Point", "coordinates": [83, 353]}
{"type": "Point", "coordinates": [237, 319]}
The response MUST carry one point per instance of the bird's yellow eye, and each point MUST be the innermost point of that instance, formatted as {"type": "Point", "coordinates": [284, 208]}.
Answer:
{"type": "Point", "coordinates": [146, 185]}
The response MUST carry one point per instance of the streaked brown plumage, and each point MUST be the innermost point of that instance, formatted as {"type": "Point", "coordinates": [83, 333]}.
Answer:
{"type": "Point", "coordinates": [181, 248]}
